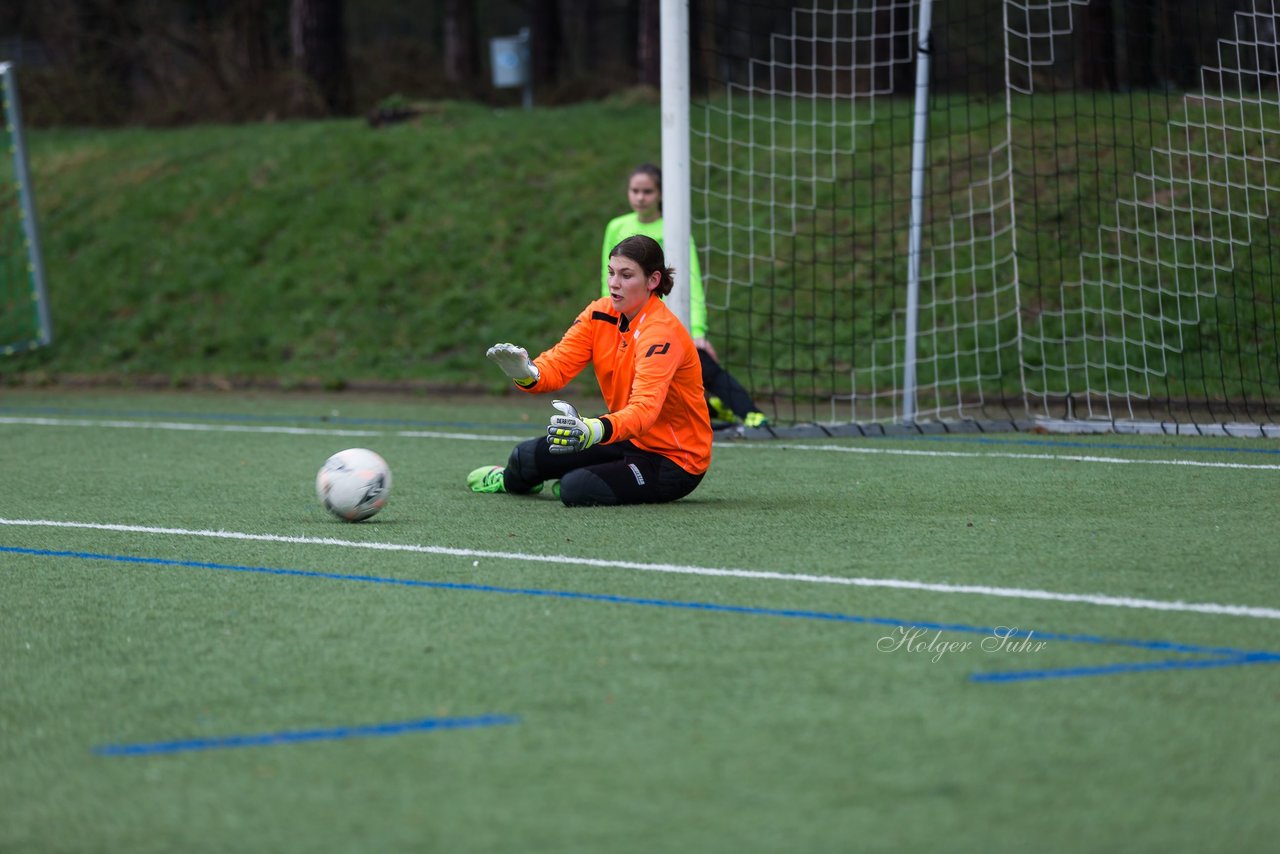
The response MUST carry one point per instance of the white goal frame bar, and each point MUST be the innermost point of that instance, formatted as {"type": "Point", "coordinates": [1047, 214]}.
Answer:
{"type": "Point", "coordinates": [677, 219]}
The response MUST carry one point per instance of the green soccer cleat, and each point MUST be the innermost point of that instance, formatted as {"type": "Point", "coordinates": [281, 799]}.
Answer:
{"type": "Point", "coordinates": [755, 419]}
{"type": "Point", "coordinates": [487, 479]}
{"type": "Point", "coordinates": [493, 479]}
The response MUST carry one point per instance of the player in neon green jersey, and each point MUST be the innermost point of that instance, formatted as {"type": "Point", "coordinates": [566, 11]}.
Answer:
{"type": "Point", "coordinates": [727, 399]}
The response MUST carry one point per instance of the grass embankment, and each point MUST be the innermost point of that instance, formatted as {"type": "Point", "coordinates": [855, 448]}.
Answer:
{"type": "Point", "coordinates": [330, 253]}
{"type": "Point", "coordinates": [326, 251]}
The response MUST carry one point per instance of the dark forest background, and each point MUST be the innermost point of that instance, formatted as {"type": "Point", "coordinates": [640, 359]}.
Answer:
{"type": "Point", "coordinates": [167, 62]}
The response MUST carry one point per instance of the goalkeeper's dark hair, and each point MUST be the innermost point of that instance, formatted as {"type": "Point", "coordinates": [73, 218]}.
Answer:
{"type": "Point", "coordinates": [647, 252]}
{"type": "Point", "coordinates": [654, 173]}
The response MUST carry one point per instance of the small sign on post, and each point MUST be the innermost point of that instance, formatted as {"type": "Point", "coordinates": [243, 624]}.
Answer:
{"type": "Point", "coordinates": [509, 56]}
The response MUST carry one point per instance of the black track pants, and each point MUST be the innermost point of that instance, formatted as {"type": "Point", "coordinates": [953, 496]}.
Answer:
{"type": "Point", "coordinates": [617, 473]}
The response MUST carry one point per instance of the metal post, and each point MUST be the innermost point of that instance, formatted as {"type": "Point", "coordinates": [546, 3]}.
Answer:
{"type": "Point", "coordinates": [527, 55]}
{"type": "Point", "coordinates": [919, 139]}
{"type": "Point", "coordinates": [9, 85]}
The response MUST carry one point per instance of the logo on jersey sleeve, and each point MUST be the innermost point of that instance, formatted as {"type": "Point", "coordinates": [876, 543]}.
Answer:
{"type": "Point", "coordinates": [658, 349]}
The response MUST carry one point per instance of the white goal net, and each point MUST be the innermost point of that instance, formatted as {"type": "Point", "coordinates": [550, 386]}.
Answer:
{"type": "Point", "coordinates": [1097, 232]}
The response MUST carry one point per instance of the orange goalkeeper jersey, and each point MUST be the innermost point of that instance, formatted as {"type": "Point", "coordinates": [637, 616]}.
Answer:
{"type": "Point", "coordinates": [650, 376]}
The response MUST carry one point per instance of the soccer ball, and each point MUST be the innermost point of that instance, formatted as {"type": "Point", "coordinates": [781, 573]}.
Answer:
{"type": "Point", "coordinates": [353, 484]}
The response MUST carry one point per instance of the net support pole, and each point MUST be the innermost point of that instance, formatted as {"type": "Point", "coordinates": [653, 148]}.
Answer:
{"type": "Point", "coordinates": [919, 141]}
{"type": "Point", "coordinates": [9, 92]}
{"type": "Point", "coordinates": [676, 196]}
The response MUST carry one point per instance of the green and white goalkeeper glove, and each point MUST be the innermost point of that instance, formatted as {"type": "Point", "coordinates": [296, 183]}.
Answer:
{"type": "Point", "coordinates": [514, 362]}
{"type": "Point", "coordinates": [568, 434]}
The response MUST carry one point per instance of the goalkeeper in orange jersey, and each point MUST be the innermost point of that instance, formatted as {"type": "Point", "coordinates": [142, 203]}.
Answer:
{"type": "Point", "coordinates": [654, 443]}
{"type": "Point", "coordinates": [729, 401]}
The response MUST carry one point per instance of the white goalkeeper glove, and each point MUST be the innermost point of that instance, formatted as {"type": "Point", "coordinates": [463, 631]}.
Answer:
{"type": "Point", "coordinates": [568, 434]}
{"type": "Point", "coordinates": [514, 362]}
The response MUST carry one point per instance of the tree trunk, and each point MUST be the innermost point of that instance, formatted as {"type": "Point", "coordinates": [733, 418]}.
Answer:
{"type": "Point", "coordinates": [544, 33]}
{"type": "Point", "coordinates": [460, 66]}
{"type": "Point", "coordinates": [1096, 58]}
{"type": "Point", "coordinates": [318, 40]}
{"type": "Point", "coordinates": [252, 37]}
{"type": "Point", "coordinates": [582, 36]}
{"type": "Point", "coordinates": [1137, 31]}
{"type": "Point", "coordinates": [649, 47]}
{"type": "Point", "coordinates": [110, 34]}
{"type": "Point", "coordinates": [893, 51]}
{"type": "Point", "coordinates": [590, 16]}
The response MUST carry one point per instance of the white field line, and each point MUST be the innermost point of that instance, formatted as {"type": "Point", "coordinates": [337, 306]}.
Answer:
{"type": "Point", "coordinates": [1078, 458]}
{"type": "Point", "coordinates": [476, 437]}
{"type": "Point", "coordinates": [246, 428]}
{"type": "Point", "coordinates": [676, 569]}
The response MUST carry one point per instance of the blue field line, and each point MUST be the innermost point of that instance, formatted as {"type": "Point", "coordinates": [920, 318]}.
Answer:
{"type": "Point", "coordinates": [1221, 656]}
{"type": "Point", "coordinates": [1130, 667]}
{"type": "Point", "coordinates": [298, 736]}
{"type": "Point", "coordinates": [339, 420]}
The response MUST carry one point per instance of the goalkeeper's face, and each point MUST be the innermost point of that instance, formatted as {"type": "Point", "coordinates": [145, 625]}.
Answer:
{"type": "Point", "coordinates": [629, 288]}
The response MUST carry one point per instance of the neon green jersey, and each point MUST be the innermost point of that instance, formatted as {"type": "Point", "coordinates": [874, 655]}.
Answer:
{"type": "Point", "coordinates": [627, 225]}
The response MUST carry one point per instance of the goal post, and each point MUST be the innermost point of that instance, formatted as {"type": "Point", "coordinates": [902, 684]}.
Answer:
{"type": "Point", "coordinates": [24, 306]}
{"type": "Point", "coordinates": [674, 36]}
{"type": "Point", "coordinates": [919, 151]}
{"type": "Point", "coordinates": [1061, 214]}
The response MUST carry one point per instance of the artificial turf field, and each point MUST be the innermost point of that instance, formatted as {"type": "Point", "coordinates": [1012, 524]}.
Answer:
{"type": "Point", "coordinates": [960, 643]}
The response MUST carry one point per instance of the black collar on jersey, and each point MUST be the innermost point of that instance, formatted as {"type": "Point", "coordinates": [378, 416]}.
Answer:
{"type": "Point", "coordinates": [620, 321]}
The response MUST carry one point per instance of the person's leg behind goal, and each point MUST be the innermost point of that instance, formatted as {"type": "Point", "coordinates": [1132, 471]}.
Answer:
{"type": "Point", "coordinates": [727, 399]}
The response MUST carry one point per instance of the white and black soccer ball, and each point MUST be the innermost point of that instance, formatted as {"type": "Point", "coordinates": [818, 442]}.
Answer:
{"type": "Point", "coordinates": [353, 484]}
